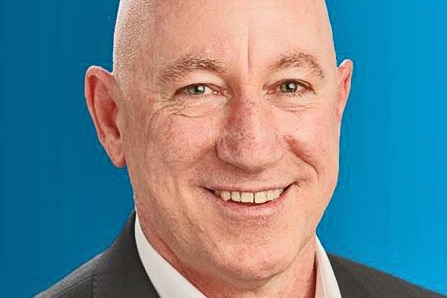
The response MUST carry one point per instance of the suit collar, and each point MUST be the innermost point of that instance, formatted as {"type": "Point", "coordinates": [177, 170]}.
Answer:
{"type": "Point", "coordinates": [121, 273]}
{"type": "Point", "coordinates": [350, 286]}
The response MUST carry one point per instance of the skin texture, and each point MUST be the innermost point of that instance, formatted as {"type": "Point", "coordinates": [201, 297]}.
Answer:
{"type": "Point", "coordinates": [244, 132]}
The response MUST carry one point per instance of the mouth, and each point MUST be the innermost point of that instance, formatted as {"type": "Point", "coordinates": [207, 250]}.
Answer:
{"type": "Point", "coordinates": [249, 198]}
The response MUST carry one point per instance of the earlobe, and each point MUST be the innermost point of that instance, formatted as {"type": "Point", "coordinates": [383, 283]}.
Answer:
{"type": "Point", "coordinates": [101, 96]}
{"type": "Point", "coordinates": [344, 85]}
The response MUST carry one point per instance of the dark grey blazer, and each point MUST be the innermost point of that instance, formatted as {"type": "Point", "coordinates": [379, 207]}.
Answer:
{"type": "Point", "coordinates": [118, 272]}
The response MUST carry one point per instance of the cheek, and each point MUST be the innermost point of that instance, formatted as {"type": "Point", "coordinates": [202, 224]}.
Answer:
{"type": "Point", "coordinates": [178, 144]}
{"type": "Point", "coordinates": [314, 141]}
{"type": "Point", "coordinates": [183, 141]}
{"type": "Point", "coordinates": [325, 140]}
{"type": "Point", "coordinates": [165, 151]}
{"type": "Point", "coordinates": [313, 137]}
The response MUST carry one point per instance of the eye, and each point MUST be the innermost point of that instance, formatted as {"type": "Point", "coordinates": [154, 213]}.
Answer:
{"type": "Point", "coordinates": [289, 87]}
{"type": "Point", "coordinates": [292, 87]}
{"type": "Point", "coordinates": [197, 90]}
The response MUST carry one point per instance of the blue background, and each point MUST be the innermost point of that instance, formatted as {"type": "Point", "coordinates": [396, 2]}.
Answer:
{"type": "Point", "coordinates": [62, 201]}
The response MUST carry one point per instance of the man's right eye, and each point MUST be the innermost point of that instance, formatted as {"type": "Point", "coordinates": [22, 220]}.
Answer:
{"type": "Point", "coordinates": [197, 89]}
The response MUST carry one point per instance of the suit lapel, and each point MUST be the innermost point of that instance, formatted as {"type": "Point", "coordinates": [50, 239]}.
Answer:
{"type": "Point", "coordinates": [349, 285]}
{"type": "Point", "coordinates": [121, 273]}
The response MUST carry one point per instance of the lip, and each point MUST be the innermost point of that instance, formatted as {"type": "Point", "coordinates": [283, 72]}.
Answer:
{"type": "Point", "coordinates": [242, 189]}
{"type": "Point", "coordinates": [236, 209]}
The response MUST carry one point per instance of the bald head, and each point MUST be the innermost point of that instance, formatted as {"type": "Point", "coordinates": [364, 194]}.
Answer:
{"type": "Point", "coordinates": [142, 24]}
{"type": "Point", "coordinates": [134, 21]}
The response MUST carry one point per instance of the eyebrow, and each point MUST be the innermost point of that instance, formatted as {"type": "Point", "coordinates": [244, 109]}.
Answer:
{"type": "Point", "coordinates": [299, 60]}
{"type": "Point", "coordinates": [194, 61]}
{"type": "Point", "coordinates": [189, 63]}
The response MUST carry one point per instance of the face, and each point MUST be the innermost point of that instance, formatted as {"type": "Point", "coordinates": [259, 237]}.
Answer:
{"type": "Point", "coordinates": [230, 131]}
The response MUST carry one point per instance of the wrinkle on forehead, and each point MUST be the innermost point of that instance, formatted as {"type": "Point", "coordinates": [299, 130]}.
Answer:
{"type": "Point", "coordinates": [137, 21]}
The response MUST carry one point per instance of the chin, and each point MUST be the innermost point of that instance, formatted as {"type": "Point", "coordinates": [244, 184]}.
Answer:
{"type": "Point", "coordinates": [257, 265]}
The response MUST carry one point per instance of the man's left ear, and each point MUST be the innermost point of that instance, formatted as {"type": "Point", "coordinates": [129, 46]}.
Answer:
{"type": "Point", "coordinates": [344, 77]}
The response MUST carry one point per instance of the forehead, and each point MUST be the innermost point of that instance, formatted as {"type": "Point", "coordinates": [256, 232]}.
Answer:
{"type": "Point", "coordinates": [246, 34]}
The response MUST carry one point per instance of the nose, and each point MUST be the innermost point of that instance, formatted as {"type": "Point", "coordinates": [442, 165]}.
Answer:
{"type": "Point", "coordinates": [250, 140]}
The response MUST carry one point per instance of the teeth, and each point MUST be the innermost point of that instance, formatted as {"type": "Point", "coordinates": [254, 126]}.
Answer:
{"type": "Point", "coordinates": [270, 194]}
{"type": "Point", "coordinates": [247, 197]}
{"type": "Point", "coordinates": [273, 194]}
{"type": "Point", "coordinates": [260, 197]}
{"type": "Point", "coordinates": [250, 197]}
{"type": "Point", "coordinates": [236, 196]}
{"type": "Point", "coordinates": [226, 195]}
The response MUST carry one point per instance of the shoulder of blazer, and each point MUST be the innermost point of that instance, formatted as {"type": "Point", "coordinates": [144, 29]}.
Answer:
{"type": "Point", "coordinates": [358, 281]}
{"type": "Point", "coordinates": [117, 272]}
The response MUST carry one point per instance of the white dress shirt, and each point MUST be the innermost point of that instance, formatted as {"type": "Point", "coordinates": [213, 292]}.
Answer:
{"type": "Point", "coordinates": [169, 283]}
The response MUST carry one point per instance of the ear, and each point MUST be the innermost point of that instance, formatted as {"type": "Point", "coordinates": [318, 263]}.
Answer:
{"type": "Point", "coordinates": [344, 77]}
{"type": "Point", "coordinates": [101, 94]}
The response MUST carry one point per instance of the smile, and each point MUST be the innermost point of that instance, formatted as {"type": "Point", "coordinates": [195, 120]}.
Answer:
{"type": "Point", "coordinates": [253, 198]}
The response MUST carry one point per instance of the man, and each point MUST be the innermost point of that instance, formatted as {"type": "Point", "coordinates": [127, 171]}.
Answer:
{"type": "Point", "coordinates": [227, 115]}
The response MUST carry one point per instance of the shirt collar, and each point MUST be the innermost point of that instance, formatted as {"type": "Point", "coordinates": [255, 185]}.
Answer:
{"type": "Point", "coordinates": [327, 286]}
{"type": "Point", "coordinates": [169, 283]}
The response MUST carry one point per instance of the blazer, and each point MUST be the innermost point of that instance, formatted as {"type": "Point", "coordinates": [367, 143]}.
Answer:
{"type": "Point", "coordinates": [118, 272]}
